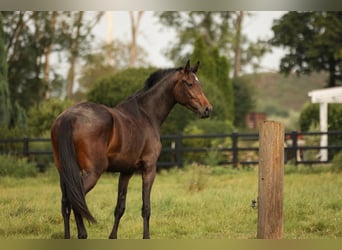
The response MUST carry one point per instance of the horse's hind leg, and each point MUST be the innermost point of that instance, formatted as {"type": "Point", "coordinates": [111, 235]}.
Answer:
{"type": "Point", "coordinates": [121, 203]}
{"type": "Point", "coordinates": [81, 230]}
{"type": "Point", "coordinates": [89, 180]}
{"type": "Point", "coordinates": [66, 210]}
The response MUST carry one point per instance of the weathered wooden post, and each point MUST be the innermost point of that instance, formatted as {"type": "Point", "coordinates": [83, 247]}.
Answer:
{"type": "Point", "coordinates": [271, 175]}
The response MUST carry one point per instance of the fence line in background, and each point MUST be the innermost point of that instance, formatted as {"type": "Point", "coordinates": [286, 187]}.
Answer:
{"type": "Point", "coordinates": [238, 149]}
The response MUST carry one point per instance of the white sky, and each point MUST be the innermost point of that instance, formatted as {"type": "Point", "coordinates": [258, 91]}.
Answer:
{"type": "Point", "coordinates": [155, 38]}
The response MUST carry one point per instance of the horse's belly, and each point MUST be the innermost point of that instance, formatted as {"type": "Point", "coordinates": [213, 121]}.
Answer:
{"type": "Point", "coordinates": [118, 163]}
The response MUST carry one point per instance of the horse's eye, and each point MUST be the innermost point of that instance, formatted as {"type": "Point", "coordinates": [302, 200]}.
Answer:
{"type": "Point", "coordinates": [189, 84]}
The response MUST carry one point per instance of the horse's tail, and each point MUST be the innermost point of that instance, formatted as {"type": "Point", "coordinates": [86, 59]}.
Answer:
{"type": "Point", "coordinates": [70, 177]}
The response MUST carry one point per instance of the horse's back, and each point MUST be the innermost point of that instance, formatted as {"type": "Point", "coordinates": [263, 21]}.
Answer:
{"type": "Point", "coordinates": [86, 117]}
{"type": "Point", "coordinates": [91, 125]}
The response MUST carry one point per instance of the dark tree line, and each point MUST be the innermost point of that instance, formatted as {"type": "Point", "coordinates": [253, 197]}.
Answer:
{"type": "Point", "coordinates": [31, 39]}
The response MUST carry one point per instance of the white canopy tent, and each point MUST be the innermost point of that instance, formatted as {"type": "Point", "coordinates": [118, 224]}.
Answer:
{"type": "Point", "coordinates": [323, 97]}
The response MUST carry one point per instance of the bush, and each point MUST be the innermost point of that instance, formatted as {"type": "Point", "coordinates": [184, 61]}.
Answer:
{"type": "Point", "coordinates": [41, 118]}
{"type": "Point", "coordinates": [13, 147]}
{"type": "Point", "coordinates": [17, 167]}
{"type": "Point", "coordinates": [207, 126]}
{"type": "Point", "coordinates": [309, 118]}
{"type": "Point", "coordinates": [115, 88]}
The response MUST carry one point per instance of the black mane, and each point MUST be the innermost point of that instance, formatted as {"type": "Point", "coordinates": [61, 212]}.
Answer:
{"type": "Point", "coordinates": [158, 75]}
{"type": "Point", "coordinates": [153, 79]}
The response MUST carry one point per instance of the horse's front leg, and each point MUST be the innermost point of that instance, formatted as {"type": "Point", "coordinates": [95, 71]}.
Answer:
{"type": "Point", "coordinates": [147, 180]}
{"type": "Point", "coordinates": [121, 203]}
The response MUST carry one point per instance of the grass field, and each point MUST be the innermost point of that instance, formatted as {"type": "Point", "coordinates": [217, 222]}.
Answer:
{"type": "Point", "coordinates": [195, 203]}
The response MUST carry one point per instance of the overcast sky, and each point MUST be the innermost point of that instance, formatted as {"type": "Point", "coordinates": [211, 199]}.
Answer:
{"type": "Point", "coordinates": [155, 38]}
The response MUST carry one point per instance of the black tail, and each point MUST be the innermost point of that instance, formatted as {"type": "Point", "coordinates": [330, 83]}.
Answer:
{"type": "Point", "coordinates": [70, 176]}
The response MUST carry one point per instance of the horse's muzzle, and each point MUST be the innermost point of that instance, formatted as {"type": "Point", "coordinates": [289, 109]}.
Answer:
{"type": "Point", "coordinates": [206, 111]}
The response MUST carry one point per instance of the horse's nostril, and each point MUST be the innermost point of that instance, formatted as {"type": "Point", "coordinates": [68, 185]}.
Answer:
{"type": "Point", "coordinates": [207, 110]}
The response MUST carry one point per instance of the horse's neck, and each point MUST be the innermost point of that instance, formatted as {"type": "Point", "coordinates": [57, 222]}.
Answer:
{"type": "Point", "coordinates": [157, 102]}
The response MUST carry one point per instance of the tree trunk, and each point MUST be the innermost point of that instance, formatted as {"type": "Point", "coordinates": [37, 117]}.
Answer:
{"type": "Point", "coordinates": [13, 41]}
{"type": "Point", "coordinates": [73, 57]}
{"type": "Point", "coordinates": [135, 22]}
{"type": "Point", "coordinates": [237, 50]}
{"type": "Point", "coordinates": [37, 56]}
{"type": "Point", "coordinates": [47, 52]}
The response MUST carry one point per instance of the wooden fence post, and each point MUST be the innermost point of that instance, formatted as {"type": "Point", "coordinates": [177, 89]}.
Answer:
{"type": "Point", "coordinates": [270, 185]}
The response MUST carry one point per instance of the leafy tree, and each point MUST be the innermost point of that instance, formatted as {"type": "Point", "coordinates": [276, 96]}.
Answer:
{"type": "Point", "coordinates": [215, 69]}
{"type": "Point", "coordinates": [103, 63]}
{"type": "Point", "coordinates": [30, 38]}
{"type": "Point", "coordinates": [214, 38]}
{"type": "Point", "coordinates": [219, 29]}
{"type": "Point", "coordinates": [244, 100]}
{"type": "Point", "coordinates": [75, 37]}
{"type": "Point", "coordinates": [213, 27]}
{"type": "Point", "coordinates": [313, 41]}
{"type": "Point", "coordinates": [5, 103]}
{"type": "Point", "coordinates": [24, 57]}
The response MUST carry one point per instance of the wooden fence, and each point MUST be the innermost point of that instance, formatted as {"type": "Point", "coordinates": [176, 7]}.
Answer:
{"type": "Point", "coordinates": [227, 149]}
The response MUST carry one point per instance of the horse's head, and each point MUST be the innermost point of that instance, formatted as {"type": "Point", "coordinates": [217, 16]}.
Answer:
{"type": "Point", "coordinates": [188, 91]}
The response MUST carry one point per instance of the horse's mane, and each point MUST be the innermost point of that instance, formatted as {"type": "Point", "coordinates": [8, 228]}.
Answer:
{"type": "Point", "coordinates": [153, 79]}
{"type": "Point", "coordinates": [158, 75]}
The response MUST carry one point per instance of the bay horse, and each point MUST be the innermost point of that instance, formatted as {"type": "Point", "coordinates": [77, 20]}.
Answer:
{"type": "Point", "coordinates": [90, 138]}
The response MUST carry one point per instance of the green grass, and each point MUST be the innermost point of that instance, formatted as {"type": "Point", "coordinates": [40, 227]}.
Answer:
{"type": "Point", "coordinates": [194, 203]}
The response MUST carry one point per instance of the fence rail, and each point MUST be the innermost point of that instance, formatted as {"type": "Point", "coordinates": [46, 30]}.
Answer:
{"type": "Point", "coordinates": [233, 149]}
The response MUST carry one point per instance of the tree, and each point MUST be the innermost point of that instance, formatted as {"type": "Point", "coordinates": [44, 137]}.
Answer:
{"type": "Point", "coordinates": [25, 38]}
{"type": "Point", "coordinates": [47, 54]}
{"type": "Point", "coordinates": [237, 44]}
{"type": "Point", "coordinates": [213, 27]}
{"type": "Point", "coordinates": [30, 39]}
{"type": "Point", "coordinates": [110, 58]}
{"type": "Point", "coordinates": [5, 103]}
{"type": "Point", "coordinates": [75, 40]}
{"type": "Point", "coordinates": [204, 36]}
{"type": "Point", "coordinates": [223, 30]}
{"type": "Point", "coordinates": [215, 69]}
{"type": "Point", "coordinates": [313, 43]}
{"type": "Point", "coordinates": [135, 22]}
{"type": "Point", "coordinates": [244, 100]}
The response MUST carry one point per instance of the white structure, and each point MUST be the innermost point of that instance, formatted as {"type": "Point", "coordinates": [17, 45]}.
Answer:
{"type": "Point", "coordinates": [323, 97]}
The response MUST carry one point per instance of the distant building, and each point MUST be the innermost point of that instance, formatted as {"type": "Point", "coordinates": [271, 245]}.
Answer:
{"type": "Point", "coordinates": [253, 119]}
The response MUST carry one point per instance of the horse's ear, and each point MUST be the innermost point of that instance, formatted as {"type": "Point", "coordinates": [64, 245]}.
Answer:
{"type": "Point", "coordinates": [187, 67]}
{"type": "Point", "coordinates": [195, 68]}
